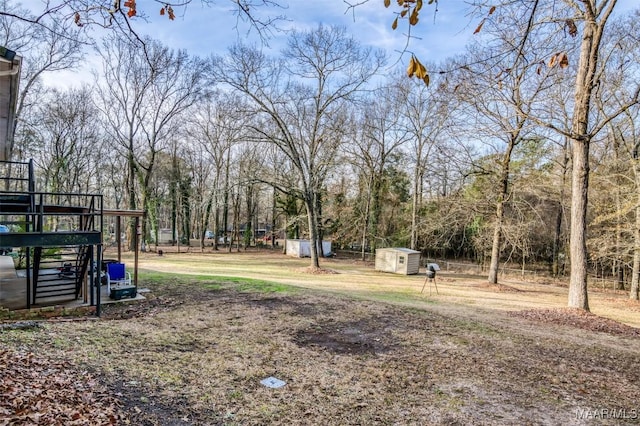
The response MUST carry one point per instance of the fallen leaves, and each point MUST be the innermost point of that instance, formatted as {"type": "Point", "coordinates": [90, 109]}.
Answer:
{"type": "Point", "coordinates": [317, 271]}
{"type": "Point", "coordinates": [35, 390]}
{"type": "Point", "coordinates": [579, 319]}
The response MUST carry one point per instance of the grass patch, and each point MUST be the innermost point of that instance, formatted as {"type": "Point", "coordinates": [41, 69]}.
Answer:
{"type": "Point", "coordinates": [255, 285]}
{"type": "Point", "coordinates": [167, 278]}
{"type": "Point", "coordinates": [212, 282]}
{"type": "Point", "coordinates": [404, 298]}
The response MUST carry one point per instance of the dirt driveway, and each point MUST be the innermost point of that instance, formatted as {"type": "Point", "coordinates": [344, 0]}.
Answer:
{"type": "Point", "coordinates": [197, 350]}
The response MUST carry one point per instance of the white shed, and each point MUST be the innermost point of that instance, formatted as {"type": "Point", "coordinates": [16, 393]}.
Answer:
{"type": "Point", "coordinates": [165, 236]}
{"type": "Point", "coordinates": [398, 260]}
{"type": "Point", "coordinates": [302, 248]}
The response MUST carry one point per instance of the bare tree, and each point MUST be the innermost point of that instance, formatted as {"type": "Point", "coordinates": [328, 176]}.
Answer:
{"type": "Point", "coordinates": [426, 117]}
{"type": "Point", "coordinates": [143, 101]}
{"type": "Point", "coordinates": [592, 18]}
{"type": "Point", "coordinates": [499, 88]}
{"type": "Point", "coordinates": [216, 126]}
{"type": "Point", "coordinates": [303, 96]}
{"type": "Point", "coordinates": [586, 20]}
{"type": "Point", "coordinates": [381, 135]}
{"type": "Point", "coordinates": [68, 141]}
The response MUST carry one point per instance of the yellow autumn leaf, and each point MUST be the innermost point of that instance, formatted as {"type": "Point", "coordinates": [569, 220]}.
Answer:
{"type": "Point", "coordinates": [387, 3]}
{"type": "Point", "coordinates": [411, 69]}
{"type": "Point", "coordinates": [564, 60]}
{"type": "Point", "coordinates": [395, 24]}
{"type": "Point", "coordinates": [413, 19]}
{"type": "Point", "coordinates": [421, 72]}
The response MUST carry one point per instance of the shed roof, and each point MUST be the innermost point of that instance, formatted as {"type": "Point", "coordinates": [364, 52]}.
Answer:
{"type": "Point", "coordinates": [400, 249]}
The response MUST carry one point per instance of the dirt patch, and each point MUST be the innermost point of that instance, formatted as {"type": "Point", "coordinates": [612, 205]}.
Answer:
{"type": "Point", "coordinates": [364, 336]}
{"type": "Point", "coordinates": [579, 319]}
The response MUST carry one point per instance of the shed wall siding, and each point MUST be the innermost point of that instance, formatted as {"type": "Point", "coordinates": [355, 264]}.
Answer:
{"type": "Point", "coordinates": [385, 261]}
{"type": "Point", "coordinates": [413, 263]}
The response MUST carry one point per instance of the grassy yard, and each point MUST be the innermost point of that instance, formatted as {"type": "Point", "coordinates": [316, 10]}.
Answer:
{"type": "Point", "coordinates": [353, 346]}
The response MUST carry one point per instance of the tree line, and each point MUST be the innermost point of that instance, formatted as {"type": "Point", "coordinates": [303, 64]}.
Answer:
{"type": "Point", "coordinates": [524, 148]}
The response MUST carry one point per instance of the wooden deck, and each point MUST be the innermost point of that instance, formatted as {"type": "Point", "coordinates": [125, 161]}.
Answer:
{"type": "Point", "coordinates": [13, 290]}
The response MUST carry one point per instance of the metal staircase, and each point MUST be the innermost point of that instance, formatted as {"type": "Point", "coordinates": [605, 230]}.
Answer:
{"type": "Point", "coordinates": [59, 236]}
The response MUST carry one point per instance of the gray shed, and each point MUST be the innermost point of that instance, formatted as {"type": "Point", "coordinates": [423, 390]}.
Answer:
{"type": "Point", "coordinates": [398, 260]}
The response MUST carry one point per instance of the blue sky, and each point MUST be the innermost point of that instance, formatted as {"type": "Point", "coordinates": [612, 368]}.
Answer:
{"type": "Point", "coordinates": [203, 30]}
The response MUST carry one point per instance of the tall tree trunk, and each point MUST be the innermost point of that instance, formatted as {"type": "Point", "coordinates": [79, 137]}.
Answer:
{"type": "Point", "coordinates": [578, 297]}
{"type": "Point", "coordinates": [131, 190]}
{"type": "Point", "coordinates": [319, 224]}
{"type": "Point", "coordinates": [273, 218]}
{"type": "Point", "coordinates": [555, 267]}
{"type": "Point", "coordinates": [415, 204]}
{"type": "Point", "coordinates": [173, 194]}
{"type": "Point", "coordinates": [225, 203]}
{"type": "Point", "coordinates": [495, 246]}
{"type": "Point", "coordinates": [581, 139]}
{"type": "Point", "coordinates": [365, 226]}
{"type": "Point", "coordinates": [310, 202]}
{"type": "Point", "coordinates": [205, 221]}
{"type": "Point", "coordinates": [502, 198]}
{"type": "Point", "coordinates": [236, 221]}
{"type": "Point", "coordinates": [555, 262]}
{"type": "Point", "coordinates": [634, 293]}
{"type": "Point", "coordinates": [185, 197]}
{"type": "Point", "coordinates": [249, 233]}
{"type": "Point", "coordinates": [376, 209]}
{"type": "Point", "coordinates": [215, 201]}
{"type": "Point", "coordinates": [618, 263]}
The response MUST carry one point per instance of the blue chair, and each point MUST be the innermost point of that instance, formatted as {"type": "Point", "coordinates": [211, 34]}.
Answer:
{"type": "Point", "coordinates": [117, 276]}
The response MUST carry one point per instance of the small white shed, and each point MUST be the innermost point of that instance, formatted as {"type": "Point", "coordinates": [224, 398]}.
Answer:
{"type": "Point", "coordinates": [165, 236]}
{"type": "Point", "coordinates": [302, 248]}
{"type": "Point", "coordinates": [398, 260]}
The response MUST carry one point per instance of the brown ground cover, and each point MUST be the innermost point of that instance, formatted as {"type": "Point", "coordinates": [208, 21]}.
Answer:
{"type": "Point", "coordinates": [197, 349]}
